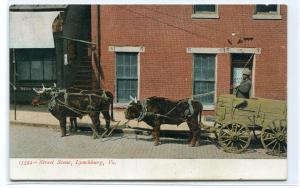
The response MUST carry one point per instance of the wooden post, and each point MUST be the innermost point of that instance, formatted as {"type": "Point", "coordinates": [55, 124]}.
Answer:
{"type": "Point", "coordinates": [14, 86]}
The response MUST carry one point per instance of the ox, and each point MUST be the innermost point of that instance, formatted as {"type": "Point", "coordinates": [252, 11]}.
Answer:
{"type": "Point", "coordinates": [158, 110]}
{"type": "Point", "coordinates": [44, 97]}
{"type": "Point", "coordinates": [78, 103]}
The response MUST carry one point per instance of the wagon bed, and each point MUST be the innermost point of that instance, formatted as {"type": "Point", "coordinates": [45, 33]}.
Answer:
{"type": "Point", "coordinates": [236, 118]}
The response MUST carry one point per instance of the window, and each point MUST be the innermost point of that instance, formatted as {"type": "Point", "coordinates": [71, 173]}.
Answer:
{"type": "Point", "coordinates": [269, 9]}
{"type": "Point", "coordinates": [205, 11]}
{"type": "Point", "coordinates": [127, 76]}
{"type": "Point", "coordinates": [267, 12]}
{"type": "Point", "coordinates": [35, 65]}
{"type": "Point", "coordinates": [204, 78]}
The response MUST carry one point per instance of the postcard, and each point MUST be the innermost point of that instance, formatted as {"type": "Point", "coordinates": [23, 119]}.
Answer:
{"type": "Point", "coordinates": [148, 92]}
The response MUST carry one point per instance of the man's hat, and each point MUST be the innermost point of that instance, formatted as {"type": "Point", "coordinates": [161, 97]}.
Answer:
{"type": "Point", "coordinates": [247, 72]}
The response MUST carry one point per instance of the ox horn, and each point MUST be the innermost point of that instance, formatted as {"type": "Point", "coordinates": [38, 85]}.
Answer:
{"type": "Point", "coordinates": [54, 84]}
{"type": "Point", "coordinates": [131, 98]}
{"type": "Point", "coordinates": [35, 90]}
{"type": "Point", "coordinates": [135, 99]}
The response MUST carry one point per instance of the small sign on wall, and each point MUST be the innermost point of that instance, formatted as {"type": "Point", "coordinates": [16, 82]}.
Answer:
{"type": "Point", "coordinates": [66, 59]}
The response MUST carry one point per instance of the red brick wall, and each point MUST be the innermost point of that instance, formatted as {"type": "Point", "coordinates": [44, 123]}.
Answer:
{"type": "Point", "coordinates": [167, 30]}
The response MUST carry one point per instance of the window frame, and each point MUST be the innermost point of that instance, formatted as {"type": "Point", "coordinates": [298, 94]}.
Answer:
{"type": "Point", "coordinates": [124, 104]}
{"type": "Point", "coordinates": [212, 106]}
{"type": "Point", "coordinates": [138, 50]}
{"type": "Point", "coordinates": [266, 16]}
{"type": "Point", "coordinates": [205, 15]}
{"type": "Point", "coordinates": [27, 53]}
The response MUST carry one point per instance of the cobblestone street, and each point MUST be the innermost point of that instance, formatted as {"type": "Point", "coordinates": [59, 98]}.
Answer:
{"type": "Point", "coordinates": [41, 142]}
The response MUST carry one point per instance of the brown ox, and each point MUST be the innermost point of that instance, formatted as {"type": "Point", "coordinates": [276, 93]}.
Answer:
{"type": "Point", "coordinates": [158, 110]}
{"type": "Point", "coordinates": [78, 103]}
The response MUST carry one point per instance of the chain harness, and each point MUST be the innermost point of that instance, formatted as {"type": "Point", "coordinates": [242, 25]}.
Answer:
{"type": "Point", "coordinates": [187, 113]}
{"type": "Point", "coordinates": [55, 101]}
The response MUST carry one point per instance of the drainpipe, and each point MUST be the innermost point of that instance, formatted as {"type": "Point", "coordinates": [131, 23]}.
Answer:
{"type": "Point", "coordinates": [98, 47]}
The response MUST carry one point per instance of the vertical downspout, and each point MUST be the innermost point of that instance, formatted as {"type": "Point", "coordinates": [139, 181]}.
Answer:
{"type": "Point", "coordinates": [98, 48]}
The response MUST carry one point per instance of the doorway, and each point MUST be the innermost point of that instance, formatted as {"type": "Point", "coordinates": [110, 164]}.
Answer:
{"type": "Point", "coordinates": [240, 61]}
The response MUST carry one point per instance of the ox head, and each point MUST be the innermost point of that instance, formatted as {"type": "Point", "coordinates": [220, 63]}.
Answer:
{"type": "Point", "coordinates": [134, 109]}
{"type": "Point", "coordinates": [45, 92]}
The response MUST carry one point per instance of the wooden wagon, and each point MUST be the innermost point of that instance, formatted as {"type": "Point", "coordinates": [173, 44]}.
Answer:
{"type": "Point", "coordinates": [237, 119]}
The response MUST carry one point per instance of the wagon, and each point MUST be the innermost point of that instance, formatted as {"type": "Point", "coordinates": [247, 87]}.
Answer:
{"type": "Point", "coordinates": [238, 119]}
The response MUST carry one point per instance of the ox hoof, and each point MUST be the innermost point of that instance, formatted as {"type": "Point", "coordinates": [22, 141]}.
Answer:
{"type": "Point", "coordinates": [192, 144]}
{"type": "Point", "coordinates": [95, 136]}
{"type": "Point", "coordinates": [156, 143]}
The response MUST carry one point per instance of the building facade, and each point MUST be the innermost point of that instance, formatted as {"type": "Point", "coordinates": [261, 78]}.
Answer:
{"type": "Point", "coordinates": [198, 51]}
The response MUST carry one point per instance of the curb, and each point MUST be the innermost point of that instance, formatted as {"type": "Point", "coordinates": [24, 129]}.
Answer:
{"type": "Point", "coordinates": [34, 124]}
{"type": "Point", "coordinates": [120, 130]}
{"type": "Point", "coordinates": [117, 130]}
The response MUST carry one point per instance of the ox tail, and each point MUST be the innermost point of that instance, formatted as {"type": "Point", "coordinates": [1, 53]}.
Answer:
{"type": "Point", "coordinates": [200, 115]}
{"type": "Point", "coordinates": [112, 110]}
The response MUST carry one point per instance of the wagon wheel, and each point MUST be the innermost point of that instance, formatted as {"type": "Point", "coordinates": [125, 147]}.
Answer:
{"type": "Point", "coordinates": [234, 137]}
{"type": "Point", "coordinates": [274, 137]}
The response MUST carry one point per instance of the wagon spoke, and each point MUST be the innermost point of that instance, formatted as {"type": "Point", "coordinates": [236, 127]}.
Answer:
{"type": "Point", "coordinates": [228, 143]}
{"type": "Point", "coordinates": [223, 132]}
{"type": "Point", "coordinates": [224, 136]}
{"type": "Point", "coordinates": [241, 130]}
{"type": "Point", "coordinates": [234, 146]}
{"type": "Point", "coordinates": [239, 144]}
{"type": "Point", "coordinates": [235, 127]}
{"type": "Point", "coordinates": [269, 138]}
{"type": "Point", "coordinates": [245, 141]}
{"type": "Point", "coordinates": [284, 148]}
{"type": "Point", "coordinates": [243, 146]}
{"type": "Point", "coordinates": [226, 140]}
{"type": "Point", "coordinates": [274, 147]}
{"type": "Point", "coordinates": [245, 136]}
{"type": "Point", "coordinates": [271, 143]}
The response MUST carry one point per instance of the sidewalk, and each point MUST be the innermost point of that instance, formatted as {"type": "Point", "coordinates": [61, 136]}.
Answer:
{"type": "Point", "coordinates": [39, 116]}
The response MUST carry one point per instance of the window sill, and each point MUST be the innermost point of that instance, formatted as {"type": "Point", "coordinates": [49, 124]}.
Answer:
{"type": "Point", "coordinates": [121, 105]}
{"type": "Point", "coordinates": [266, 17]}
{"type": "Point", "coordinates": [205, 16]}
{"type": "Point", "coordinates": [209, 107]}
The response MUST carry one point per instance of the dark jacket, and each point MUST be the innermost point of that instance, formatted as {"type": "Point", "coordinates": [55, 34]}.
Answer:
{"type": "Point", "coordinates": [243, 90]}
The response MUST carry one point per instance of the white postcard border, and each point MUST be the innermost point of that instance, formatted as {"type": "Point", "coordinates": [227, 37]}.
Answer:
{"type": "Point", "coordinates": [147, 169]}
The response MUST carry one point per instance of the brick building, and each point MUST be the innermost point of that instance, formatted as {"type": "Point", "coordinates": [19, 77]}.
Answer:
{"type": "Point", "coordinates": [181, 51]}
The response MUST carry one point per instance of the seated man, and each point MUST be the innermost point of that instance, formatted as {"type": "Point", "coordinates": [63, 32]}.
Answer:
{"type": "Point", "coordinates": [243, 89]}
